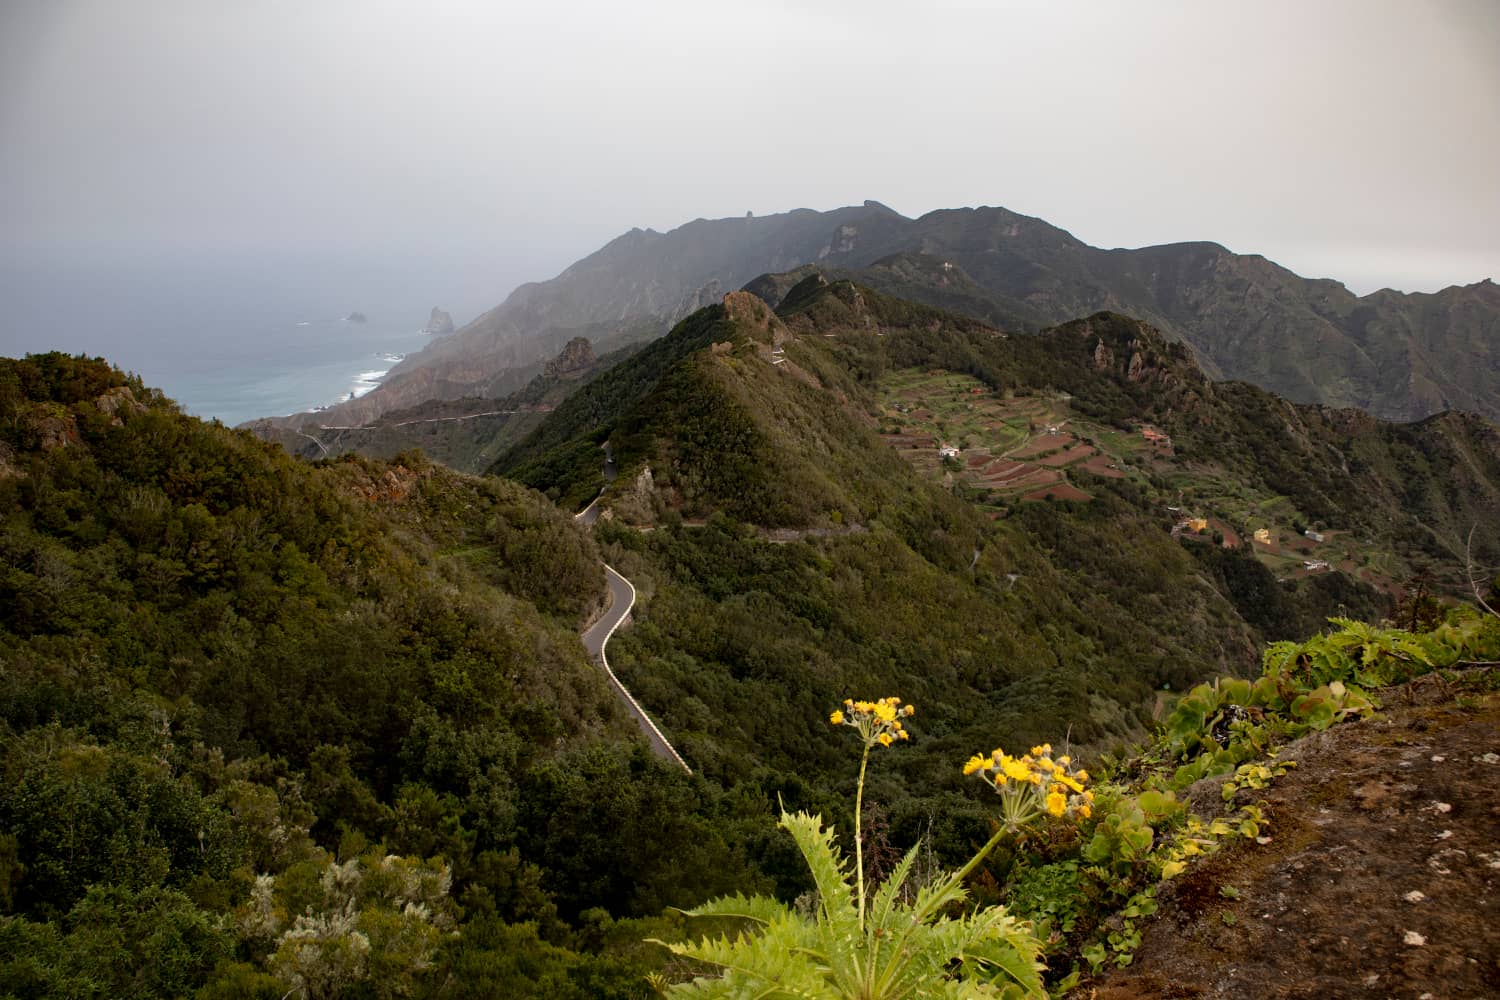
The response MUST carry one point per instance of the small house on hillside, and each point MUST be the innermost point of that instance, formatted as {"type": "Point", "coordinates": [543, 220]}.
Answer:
{"type": "Point", "coordinates": [1315, 536]}
{"type": "Point", "coordinates": [948, 451]}
{"type": "Point", "coordinates": [1263, 535]}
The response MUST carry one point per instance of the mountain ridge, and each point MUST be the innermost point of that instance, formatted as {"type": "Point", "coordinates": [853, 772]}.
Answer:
{"type": "Point", "coordinates": [1399, 355]}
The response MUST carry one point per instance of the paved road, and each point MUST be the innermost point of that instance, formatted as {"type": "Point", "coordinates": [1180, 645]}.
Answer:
{"type": "Point", "coordinates": [590, 514]}
{"type": "Point", "coordinates": [621, 600]}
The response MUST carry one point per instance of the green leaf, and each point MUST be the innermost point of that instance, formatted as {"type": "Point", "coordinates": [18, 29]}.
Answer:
{"type": "Point", "coordinates": [829, 870]}
{"type": "Point", "coordinates": [758, 909]}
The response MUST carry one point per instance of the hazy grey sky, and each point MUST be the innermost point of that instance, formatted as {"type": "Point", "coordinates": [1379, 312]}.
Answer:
{"type": "Point", "coordinates": [1355, 139]}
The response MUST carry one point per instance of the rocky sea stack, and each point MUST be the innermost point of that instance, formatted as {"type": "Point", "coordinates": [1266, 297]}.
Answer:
{"type": "Point", "coordinates": [439, 323]}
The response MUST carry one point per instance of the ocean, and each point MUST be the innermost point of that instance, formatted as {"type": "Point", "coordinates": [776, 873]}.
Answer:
{"type": "Point", "coordinates": [231, 337]}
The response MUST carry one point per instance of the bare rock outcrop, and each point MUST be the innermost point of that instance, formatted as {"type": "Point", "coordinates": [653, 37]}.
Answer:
{"type": "Point", "coordinates": [576, 357]}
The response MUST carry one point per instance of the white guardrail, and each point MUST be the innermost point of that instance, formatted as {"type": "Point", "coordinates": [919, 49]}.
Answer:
{"type": "Point", "coordinates": [640, 713]}
{"type": "Point", "coordinates": [604, 662]}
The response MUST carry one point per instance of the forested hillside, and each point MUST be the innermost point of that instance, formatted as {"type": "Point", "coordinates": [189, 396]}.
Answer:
{"type": "Point", "coordinates": [789, 549]}
{"type": "Point", "coordinates": [266, 725]}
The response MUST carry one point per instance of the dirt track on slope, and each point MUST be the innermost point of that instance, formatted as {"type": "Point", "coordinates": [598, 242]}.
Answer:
{"type": "Point", "coordinates": [1382, 878]}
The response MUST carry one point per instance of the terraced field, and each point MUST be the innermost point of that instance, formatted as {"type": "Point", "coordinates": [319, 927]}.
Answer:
{"type": "Point", "coordinates": [1035, 449]}
{"type": "Point", "coordinates": [1017, 448]}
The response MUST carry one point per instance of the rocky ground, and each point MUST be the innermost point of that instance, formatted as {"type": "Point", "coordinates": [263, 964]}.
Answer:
{"type": "Point", "coordinates": [1381, 877]}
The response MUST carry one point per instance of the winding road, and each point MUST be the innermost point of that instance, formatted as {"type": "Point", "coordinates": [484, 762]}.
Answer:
{"type": "Point", "coordinates": [590, 514]}
{"type": "Point", "coordinates": [596, 636]}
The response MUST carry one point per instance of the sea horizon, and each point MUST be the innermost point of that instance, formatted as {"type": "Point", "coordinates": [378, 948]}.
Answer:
{"type": "Point", "coordinates": [232, 340]}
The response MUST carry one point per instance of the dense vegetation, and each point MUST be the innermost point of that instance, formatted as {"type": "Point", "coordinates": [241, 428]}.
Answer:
{"type": "Point", "coordinates": [264, 724]}
{"type": "Point", "coordinates": [1081, 860]}
{"type": "Point", "coordinates": [563, 452]}
{"type": "Point", "coordinates": [267, 725]}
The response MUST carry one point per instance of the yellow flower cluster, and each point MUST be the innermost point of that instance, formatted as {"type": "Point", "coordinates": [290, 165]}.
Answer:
{"type": "Point", "coordinates": [877, 721]}
{"type": "Point", "coordinates": [1034, 783]}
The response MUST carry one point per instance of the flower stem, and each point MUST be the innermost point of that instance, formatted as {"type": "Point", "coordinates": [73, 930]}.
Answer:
{"type": "Point", "coordinates": [968, 869]}
{"type": "Point", "coordinates": [859, 841]}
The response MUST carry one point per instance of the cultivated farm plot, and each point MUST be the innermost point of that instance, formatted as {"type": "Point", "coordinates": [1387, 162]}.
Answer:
{"type": "Point", "coordinates": [1035, 448]}
{"type": "Point", "coordinates": [1009, 448]}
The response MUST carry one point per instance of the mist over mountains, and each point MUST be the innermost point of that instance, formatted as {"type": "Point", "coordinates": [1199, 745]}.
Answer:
{"type": "Point", "coordinates": [1398, 356]}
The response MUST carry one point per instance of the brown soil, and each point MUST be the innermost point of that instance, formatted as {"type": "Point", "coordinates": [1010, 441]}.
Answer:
{"type": "Point", "coordinates": [1028, 477]}
{"type": "Point", "coordinates": [1382, 877]}
{"type": "Point", "coordinates": [1001, 466]}
{"type": "Point", "coordinates": [1041, 445]}
{"type": "Point", "coordinates": [1068, 457]}
{"type": "Point", "coordinates": [1231, 537]}
{"type": "Point", "coordinates": [1099, 465]}
{"type": "Point", "coordinates": [1063, 491]}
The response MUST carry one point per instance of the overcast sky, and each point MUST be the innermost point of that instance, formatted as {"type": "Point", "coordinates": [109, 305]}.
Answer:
{"type": "Point", "coordinates": [1357, 139]}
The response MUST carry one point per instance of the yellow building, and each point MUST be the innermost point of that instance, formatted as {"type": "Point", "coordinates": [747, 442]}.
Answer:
{"type": "Point", "coordinates": [1263, 535]}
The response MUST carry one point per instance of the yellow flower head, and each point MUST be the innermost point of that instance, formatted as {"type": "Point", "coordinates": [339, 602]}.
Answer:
{"type": "Point", "coordinates": [978, 762]}
{"type": "Point", "coordinates": [1015, 769]}
{"type": "Point", "coordinates": [878, 722]}
{"type": "Point", "coordinates": [1057, 803]}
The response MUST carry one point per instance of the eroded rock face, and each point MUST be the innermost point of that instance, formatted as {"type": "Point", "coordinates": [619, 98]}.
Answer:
{"type": "Point", "coordinates": [119, 403]}
{"type": "Point", "coordinates": [439, 323]}
{"type": "Point", "coordinates": [392, 485]}
{"type": "Point", "coordinates": [54, 430]}
{"type": "Point", "coordinates": [576, 356]}
{"type": "Point", "coordinates": [1103, 356]}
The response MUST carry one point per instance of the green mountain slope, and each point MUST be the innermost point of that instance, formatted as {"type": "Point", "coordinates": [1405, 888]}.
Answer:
{"type": "Point", "coordinates": [789, 550]}
{"type": "Point", "coordinates": [1397, 356]}
{"type": "Point", "coordinates": [256, 713]}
